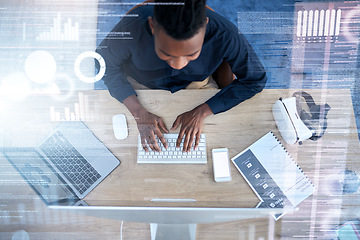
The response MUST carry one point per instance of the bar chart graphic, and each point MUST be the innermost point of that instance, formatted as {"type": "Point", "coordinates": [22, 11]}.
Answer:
{"type": "Point", "coordinates": [318, 23]}
{"type": "Point", "coordinates": [80, 111]}
{"type": "Point", "coordinates": [61, 30]}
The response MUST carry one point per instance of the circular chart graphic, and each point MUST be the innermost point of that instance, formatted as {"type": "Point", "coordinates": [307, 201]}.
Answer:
{"type": "Point", "coordinates": [78, 62]}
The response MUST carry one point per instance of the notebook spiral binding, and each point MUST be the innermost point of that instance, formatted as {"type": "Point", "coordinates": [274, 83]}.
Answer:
{"type": "Point", "coordinates": [291, 158]}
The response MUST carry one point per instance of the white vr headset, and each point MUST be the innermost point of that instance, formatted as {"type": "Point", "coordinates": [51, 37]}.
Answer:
{"type": "Point", "coordinates": [296, 124]}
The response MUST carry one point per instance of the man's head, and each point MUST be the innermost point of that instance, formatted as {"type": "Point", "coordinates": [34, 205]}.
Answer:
{"type": "Point", "coordinates": [179, 29]}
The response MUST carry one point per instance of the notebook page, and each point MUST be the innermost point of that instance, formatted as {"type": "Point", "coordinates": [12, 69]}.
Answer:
{"type": "Point", "coordinates": [282, 168]}
{"type": "Point", "coordinates": [272, 173]}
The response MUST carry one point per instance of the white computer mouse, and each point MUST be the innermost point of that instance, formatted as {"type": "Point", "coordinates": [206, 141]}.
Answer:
{"type": "Point", "coordinates": [120, 126]}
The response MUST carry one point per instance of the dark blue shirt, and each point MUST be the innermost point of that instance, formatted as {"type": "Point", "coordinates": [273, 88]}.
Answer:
{"type": "Point", "coordinates": [129, 50]}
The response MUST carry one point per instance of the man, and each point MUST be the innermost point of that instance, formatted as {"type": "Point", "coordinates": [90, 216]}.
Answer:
{"type": "Point", "coordinates": [170, 44]}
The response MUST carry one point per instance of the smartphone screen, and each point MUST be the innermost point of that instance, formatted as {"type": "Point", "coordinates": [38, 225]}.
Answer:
{"type": "Point", "coordinates": [221, 165]}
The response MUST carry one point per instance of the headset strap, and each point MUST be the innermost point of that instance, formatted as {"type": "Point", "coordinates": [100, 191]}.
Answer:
{"type": "Point", "coordinates": [318, 113]}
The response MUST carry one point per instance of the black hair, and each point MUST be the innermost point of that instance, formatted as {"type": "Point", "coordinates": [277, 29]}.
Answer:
{"type": "Point", "coordinates": [181, 19]}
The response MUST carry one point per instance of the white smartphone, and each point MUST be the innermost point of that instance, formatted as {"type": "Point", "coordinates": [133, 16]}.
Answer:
{"type": "Point", "coordinates": [221, 164]}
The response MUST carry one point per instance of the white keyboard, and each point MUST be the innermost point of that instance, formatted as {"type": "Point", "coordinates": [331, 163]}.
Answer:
{"type": "Point", "coordinates": [173, 154]}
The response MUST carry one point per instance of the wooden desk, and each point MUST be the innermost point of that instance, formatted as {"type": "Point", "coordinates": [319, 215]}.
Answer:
{"type": "Point", "coordinates": [27, 122]}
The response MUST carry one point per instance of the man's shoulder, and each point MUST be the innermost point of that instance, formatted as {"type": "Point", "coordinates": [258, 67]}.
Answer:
{"type": "Point", "coordinates": [141, 12]}
{"type": "Point", "coordinates": [135, 21]}
{"type": "Point", "coordinates": [219, 23]}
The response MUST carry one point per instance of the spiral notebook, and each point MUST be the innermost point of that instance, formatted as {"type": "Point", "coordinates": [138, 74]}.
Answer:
{"type": "Point", "coordinates": [272, 174]}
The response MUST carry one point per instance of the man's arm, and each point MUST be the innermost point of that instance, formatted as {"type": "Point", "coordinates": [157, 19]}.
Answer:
{"type": "Point", "coordinates": [251, 79]}
{"type": "Point", "coordinates": [116, 51]}
{"type": "Point", "coordinates": [149, 125]}
{"type": "Point", "coordinates": [191, 126]}
{"type": "Point", "coordinates": [250, 75]}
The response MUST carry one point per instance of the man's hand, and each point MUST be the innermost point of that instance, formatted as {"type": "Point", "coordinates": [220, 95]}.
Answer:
{"type": "Point", "coordinates": [191, 125]}
{"type": "Point", "coordinates": [149, 125]}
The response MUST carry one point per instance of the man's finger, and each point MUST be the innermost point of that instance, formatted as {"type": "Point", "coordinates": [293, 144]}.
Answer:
{"type": "Point", "coordinates": [176, 123]}
{"type": "Point", "coordinates": [191, 140]}
{"type": "Point", "coordinates": [186, 142]}
{"type": "Point", "coordinates": [153, 146]}
{"type": "Point", "coordinates": [197, 140]}
{"type": "Point", "coordinates": [153, 143]}
{"type": "Point", "coordinates": [144, 145]}
{"type": "Point", "coordinates": [162, 126]}
{"type": "Point", "coordinates": [180, 137]}
{"type": "Point", "coordinates": [161, 137]}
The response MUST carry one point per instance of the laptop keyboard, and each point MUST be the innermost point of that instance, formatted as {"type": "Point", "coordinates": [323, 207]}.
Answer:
{"type": "Point", "coordinates": [173, 154]}
{"type": "Point", "coordinates": [69, 162]}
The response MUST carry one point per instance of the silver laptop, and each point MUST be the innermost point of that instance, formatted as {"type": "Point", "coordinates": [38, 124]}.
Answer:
{"type": "Point", "coordinates": [66, 166]}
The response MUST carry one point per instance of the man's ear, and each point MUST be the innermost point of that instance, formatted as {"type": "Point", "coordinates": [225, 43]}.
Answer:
{"type": "Point", "coordinates": [151, 24]}
{"type": "Point", "coordinates": [207, 20]}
